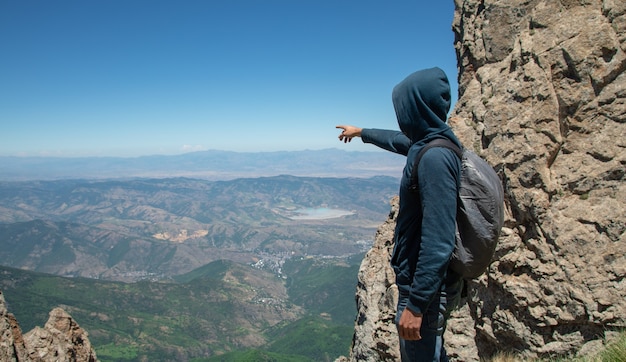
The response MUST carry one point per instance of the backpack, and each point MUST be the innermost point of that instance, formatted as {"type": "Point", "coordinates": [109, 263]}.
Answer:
{"type": "Point", "coordinates": [480, 211]}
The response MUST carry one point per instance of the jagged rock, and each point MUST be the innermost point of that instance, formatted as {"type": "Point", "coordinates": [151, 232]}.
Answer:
{"type": "Point", "coordinates": [542, 97]}
{"type": "Point", "coordinates": [7, 340]}
{"type": "Point", "coordinates": [12, 346]}
{"type": "Point", "coordinates": [375, 335]}
{"type": "Point", "coordinates": [544, 100]}
{"type": "Point", "coordinates": [60, 340]}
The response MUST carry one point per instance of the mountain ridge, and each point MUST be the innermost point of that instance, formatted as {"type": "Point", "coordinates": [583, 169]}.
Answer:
{"type": "Point", "coordinates": [210, 165]}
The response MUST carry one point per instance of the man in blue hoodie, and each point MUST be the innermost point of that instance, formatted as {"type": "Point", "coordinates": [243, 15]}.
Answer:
{"type": "Point", "coordinates": [426, 222]}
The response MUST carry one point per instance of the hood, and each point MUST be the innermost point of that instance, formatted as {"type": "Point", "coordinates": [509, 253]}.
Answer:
{"type": "Point", "coordinates": [422, 102]}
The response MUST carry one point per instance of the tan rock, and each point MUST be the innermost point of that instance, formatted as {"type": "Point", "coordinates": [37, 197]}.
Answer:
{"type": "Point", "coordinates": [60, 340]}
{"type": "Point", "coordinates": [8, 337]}
{"type": "Point", "coordinates": [375, 337]}
{"type": "Point", "coordinates": [551, 115]}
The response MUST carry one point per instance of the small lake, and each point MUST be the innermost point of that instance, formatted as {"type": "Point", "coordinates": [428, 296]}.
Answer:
{"type": "Point", "coordinates": [319, 213]}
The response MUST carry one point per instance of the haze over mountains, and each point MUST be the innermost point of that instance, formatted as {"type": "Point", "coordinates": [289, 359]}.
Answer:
{"type": "Point", "coordinates": [212, 165]}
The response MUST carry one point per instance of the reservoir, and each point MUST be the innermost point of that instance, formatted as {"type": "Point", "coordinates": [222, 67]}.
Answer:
{"type": "Point", "coordinates": [319, 213]}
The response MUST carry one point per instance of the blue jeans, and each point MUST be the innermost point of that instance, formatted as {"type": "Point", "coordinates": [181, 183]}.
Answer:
{"type": "Point", "coordinates": [430, 348]}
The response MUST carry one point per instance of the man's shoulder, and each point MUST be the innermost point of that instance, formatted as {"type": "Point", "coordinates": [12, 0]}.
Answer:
{"type": "Point", "coordinates": [432, 163]}
{"type": "Point", "coordinates": [433, 152]}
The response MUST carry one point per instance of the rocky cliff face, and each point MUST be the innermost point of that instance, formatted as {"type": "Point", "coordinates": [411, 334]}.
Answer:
{"type": "Point", "coordinates": [542, 96]}
{"type": "Point", "coordinates": [61, 339]}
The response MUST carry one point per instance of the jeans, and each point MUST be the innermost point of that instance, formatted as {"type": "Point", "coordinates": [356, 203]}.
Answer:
{"type": "Point", "coordinates": [430, 348]}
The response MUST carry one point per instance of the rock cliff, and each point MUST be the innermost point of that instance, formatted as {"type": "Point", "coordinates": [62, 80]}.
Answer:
{"type": "Point", "coordinates": [60, 340]}
{"type": "Point", "coordinates": [542, 97]}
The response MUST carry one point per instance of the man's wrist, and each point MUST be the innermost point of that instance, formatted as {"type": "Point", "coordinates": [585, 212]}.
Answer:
{"type": "Point", "coordinates": [414, 310]}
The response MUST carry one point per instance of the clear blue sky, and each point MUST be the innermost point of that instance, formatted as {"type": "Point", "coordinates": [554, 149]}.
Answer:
{"type": "Point", "coordinates": [140, 77]}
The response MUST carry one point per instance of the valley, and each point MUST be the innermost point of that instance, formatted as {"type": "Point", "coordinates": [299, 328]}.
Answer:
{"type": "Point", "coordinates": [188, 269]}
{"type": "Point", "coordinates": [159, 228]}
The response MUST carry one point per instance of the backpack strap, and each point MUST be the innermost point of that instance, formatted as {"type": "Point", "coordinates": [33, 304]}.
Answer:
{"type": "Point", "coordinates": [438, 142]}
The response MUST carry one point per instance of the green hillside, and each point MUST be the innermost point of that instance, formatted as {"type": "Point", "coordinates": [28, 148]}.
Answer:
{"type": "Point", "coordinates": [217, 309]}
{"type": "Point", "coordinates": [323, 286]}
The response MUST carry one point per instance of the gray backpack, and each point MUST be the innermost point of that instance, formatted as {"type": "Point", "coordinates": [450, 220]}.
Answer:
{"type": "Point", "coordinates": [480, 212]}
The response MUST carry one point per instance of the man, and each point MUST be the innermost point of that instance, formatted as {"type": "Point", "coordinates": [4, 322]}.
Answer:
{"type": "Point", "coordinates": [426, 222]}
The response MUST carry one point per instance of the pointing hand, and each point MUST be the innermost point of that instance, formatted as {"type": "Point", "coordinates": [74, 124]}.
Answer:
{"type": "Point", "coordinates": [349, 132]}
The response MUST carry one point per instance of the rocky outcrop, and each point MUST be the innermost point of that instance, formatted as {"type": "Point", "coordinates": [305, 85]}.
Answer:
{"type": "Point", "coordinates": [12, 346]}
{"type": "Point", "coordinates": [544, 100]}
{"type": "Point", "coordinates": [61, 339]}
{"type": "Point", "coordinates": [375, 336]}
{"type": "Point", "coordinates": [542, 97]}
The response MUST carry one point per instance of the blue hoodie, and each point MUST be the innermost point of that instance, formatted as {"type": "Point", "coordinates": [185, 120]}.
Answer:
{"type": "Point", "coordinates": [426, 222]}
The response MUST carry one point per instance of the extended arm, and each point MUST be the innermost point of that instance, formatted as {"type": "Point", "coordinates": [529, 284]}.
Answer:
{"type": "Point", "coordinates": [394, 141]}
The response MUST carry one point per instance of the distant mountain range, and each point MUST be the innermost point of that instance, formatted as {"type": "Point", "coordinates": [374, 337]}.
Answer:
{"type": "Point", "coordinates": [211, 165]}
